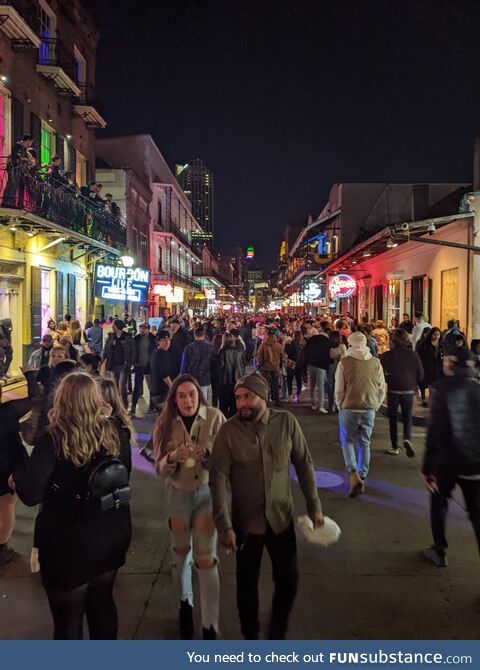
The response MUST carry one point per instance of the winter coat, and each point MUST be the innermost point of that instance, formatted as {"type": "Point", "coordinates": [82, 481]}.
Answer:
{"type": "Point", "coordinates": [403, 369]}
{"type": "Point", "coordinates": [270, 353]}
{"type": "Point", "coordinates": [453, 437]}
{"type": "Point", "coordinates": [317, 351]}
{"type": "Point", "coordinates": [229, 366]}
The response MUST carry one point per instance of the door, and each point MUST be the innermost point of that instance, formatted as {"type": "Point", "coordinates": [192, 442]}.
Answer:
{"type": "Point", "coordinates": [378, 293]}
{"type": "Point", "coordinates": [417, 295]}
{"type": "Point", "coordinates": [36, 316]}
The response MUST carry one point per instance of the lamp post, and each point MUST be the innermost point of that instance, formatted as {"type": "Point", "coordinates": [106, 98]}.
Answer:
{"type": "Point", "coordinates": [127, 262]}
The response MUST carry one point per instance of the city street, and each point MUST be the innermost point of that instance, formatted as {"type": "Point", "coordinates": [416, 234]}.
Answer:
{"type": "Point", "coordinates": [373, 584]}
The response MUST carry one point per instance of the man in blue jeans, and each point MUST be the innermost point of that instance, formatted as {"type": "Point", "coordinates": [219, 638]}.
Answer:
{"type": "Point", "coordinates": [359, 391]}
{"type": "Point", "coordinates": [317, 357]}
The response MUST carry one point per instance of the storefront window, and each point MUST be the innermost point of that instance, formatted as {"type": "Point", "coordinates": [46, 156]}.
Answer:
{"type": "Point", "coordinates": [394, 300]}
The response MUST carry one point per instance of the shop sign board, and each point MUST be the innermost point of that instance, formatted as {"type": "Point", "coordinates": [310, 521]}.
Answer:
{"type": "Point", "coordinates": [341, 286]}
{"type": "Point", "coordinates": [115, 283]}
{"type": "Point", "coordinates": [210, 293]}
{"type": "Point", "coordinates": [312, 292]}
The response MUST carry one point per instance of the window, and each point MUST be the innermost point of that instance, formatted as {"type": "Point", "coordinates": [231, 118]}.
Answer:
{"type": "Point", "coordinates": [160, 259]}
{"type": "Point", "coordinates": [80, 65]}
{"type": "Point", "coordinates": [143, 250]}
{"type": "Point", "coordinates": [47, 23]}
{"type": "Point", "coordinates": [47, 146]}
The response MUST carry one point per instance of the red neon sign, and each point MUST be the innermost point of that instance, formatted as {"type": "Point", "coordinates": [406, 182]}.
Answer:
{"type": "Point", "coordinates": [341, 286]}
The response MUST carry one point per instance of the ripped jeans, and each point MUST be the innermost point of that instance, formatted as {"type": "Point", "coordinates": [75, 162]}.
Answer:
{"type": "Point", "coordinates": [194, 542]}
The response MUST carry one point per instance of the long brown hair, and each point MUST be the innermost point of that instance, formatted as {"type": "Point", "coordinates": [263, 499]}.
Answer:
{"type": "Point", "coordinates": [162, 431]}
{"type": "Point", "coordinates": [77, 423]}
{"type": "Point", "coordinates": [111, 395]}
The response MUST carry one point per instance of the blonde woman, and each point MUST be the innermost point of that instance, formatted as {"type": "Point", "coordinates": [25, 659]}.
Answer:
{"type": "Point", "coordinates": [80, 547]}
{"type": "Point", "coordinates": [116, 410]}
{"type": "Point", "coordinates": [182, 441]}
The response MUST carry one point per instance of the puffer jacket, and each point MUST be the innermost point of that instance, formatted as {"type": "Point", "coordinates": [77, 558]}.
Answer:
{"type": "Point", "coordinates": [453, 437]}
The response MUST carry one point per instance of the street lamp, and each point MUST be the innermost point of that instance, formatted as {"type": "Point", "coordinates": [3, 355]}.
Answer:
{"type": "Point", "coordinates": [127, 262]}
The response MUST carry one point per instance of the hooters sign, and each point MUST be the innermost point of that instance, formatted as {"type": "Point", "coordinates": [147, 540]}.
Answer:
{"type": "Point", "coordinates": [341, 286]}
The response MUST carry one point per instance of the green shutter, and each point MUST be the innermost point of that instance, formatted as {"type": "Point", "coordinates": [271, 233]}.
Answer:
{"type": "Point", "coordinates": [36, 305]}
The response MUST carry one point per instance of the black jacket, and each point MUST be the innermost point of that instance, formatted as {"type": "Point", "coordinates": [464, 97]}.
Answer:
{"type": "Point", "coordinates": [432, 362]}
{"type": "Point", "coordinates": [124, 341]}
{"type": "Point", "coordinates": [317, 351]}
{"type": "Point", "coordinates": [403, 369]}
{"type": "Point", "coordinates": [230, 366]}
{"type": "Point", "coordinates": [151, 348]}
{"type": "Point", "coordinates": [453, 437]}
{"type": "Point", "coordinates": [76, 542]}
{"type": "Point", "coordinates": [163, 364]}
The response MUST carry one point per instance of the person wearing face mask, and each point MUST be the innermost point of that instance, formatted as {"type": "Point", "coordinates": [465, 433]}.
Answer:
{"type": "Point", "coordinates": [251, 454]}
{"type": "Point", "coordinates": [182, 443]}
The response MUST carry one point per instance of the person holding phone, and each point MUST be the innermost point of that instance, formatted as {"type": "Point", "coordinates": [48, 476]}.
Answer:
{"type": "Point", "coordinates": [182, 441]}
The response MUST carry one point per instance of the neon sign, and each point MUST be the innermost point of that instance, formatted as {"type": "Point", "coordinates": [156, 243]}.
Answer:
{"type": "Point", "coordinates": [115, 283]}
{"type": "Point", "coordinates": [341, 286]}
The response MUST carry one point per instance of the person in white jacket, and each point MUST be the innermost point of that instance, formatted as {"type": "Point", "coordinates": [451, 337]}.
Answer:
{"type": "Point", "coordinates": [359, 391]}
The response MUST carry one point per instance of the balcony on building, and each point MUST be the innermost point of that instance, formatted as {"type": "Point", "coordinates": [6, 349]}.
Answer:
{"type": "Point", "coordinates": [177, 278]}
{"type": "Point", "coordinates": [39, 204]}
{"type": "Point", "coordinates": [84, 106]}
{"type": "Point", "coordinates": [19, 22]}
{"type": "Point", "coordinates": [300, 268]}
{"type": "Point", "coordinates": [208, 276]}
{"type": "Point", "coordinates": [56, 64]}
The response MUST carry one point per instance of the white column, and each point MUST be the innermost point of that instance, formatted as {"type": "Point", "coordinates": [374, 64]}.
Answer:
{"type": "Point", "coordinates": [474, 199]}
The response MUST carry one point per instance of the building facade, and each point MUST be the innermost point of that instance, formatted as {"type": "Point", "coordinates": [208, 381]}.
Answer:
{"type": "Point", "coordinates": [172, 253]}
{"type": "Point", "coordinates": [51, 235]}
{"type": "Point", "coordinates": [196, 181]}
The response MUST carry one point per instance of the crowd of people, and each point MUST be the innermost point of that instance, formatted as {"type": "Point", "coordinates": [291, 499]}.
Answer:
{"type": "Point", "coordinates": [35, 186]}
{"type": "Point", "coordinates": [220, 431]}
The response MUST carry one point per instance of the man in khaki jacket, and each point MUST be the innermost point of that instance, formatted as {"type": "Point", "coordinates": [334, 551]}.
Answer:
{"type": "Point", "coordinates": [359, 391]}
{"type": "Point", "coordinates": [269, 360]}
{"type": "Point", "coordinates": [251, 454]}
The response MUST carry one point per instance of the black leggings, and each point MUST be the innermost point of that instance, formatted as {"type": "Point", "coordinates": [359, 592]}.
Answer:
{"type": "Point", "coordinates": [95, 600]}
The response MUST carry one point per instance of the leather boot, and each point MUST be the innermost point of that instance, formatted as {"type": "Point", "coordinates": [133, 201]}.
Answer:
{"type": "Point", "coordinates": [356, 484]}
{"type": "Point", "coordinates": [185, 623]}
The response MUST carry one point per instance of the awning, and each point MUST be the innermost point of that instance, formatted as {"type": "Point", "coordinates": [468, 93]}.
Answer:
{"type": "Point", "coordinates": [384, 240]}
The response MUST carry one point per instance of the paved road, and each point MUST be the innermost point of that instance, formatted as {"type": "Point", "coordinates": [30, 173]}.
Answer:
{"type": "Point", "coordinates": [371, 585]}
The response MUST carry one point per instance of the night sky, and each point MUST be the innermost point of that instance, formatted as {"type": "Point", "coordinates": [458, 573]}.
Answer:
{"type": "Point", "coordinates": [282, 99]}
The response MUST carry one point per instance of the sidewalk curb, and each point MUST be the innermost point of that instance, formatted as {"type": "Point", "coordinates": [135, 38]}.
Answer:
{"type": "Point", "coordinates": [417, 420]}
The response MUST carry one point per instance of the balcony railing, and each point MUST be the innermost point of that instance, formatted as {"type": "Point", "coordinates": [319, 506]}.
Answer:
{"type": "Point", "coordinates": [28, 13]}
{"type": "Point", "coordinates": [87, 94]}
{"type": "Point", "coordinates": [308, 265]}
{"type": "Point", "coordinates": [57, 202]}
{"type": "Point", "coordinates": [184, 238]}
{"type": "Point", "coordinates": [52, 52]}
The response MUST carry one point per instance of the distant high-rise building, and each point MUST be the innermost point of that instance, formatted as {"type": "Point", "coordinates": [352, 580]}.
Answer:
{"type": "Point", "coordinates": [197, 182]}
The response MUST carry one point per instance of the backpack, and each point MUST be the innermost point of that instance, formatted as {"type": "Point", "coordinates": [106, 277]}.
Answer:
{"type": "Point", "coordinates": [107, 482]}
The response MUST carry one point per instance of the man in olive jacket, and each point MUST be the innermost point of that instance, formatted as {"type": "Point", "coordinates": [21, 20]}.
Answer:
{"type": "Point", "coordinates": [251, 454]}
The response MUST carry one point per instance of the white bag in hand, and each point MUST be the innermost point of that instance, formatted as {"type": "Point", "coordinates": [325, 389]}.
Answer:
{"type": "Point", "coordinates": [142, 408]}
{"type": "Point", "coordinates": [327, 534]}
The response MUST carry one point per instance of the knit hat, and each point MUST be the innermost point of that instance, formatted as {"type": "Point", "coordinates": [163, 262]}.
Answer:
{"type": "Point", "coordinates": [255, 383]}
{"type": "Point", "coordinates": [118, 323]}
{"type": "Point", "coordinates": [357, 339]}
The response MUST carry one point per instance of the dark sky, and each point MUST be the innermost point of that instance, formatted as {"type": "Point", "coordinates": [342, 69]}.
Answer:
{"type": "Point", "coordinates": [283, 98]}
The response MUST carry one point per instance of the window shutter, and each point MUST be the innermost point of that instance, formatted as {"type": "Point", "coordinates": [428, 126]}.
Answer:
{"type": "Point", "coordinates": [71, 295]}
{"type": "Point", "coordinates": [36, 132]}
{"type": "Point", "coordinates": [60, 297]}
{"type": "Point", "coordinates": [72, 161]}
{"type": "Point", "coordinates": [59, 149]}
{"type": "Point", "coordinates": [17, 123]}
{"type": "Point", "coordinates": [36, 305]}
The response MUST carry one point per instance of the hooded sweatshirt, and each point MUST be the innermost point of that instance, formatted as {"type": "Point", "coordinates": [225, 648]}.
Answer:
{"type": "Point", "coordinates": [359, 380]}
{"type": "Point", "coordinates": [269, 355]}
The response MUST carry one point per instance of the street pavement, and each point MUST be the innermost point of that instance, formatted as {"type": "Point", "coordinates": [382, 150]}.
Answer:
{"type": "Point", "coordinates": [372, 584]}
